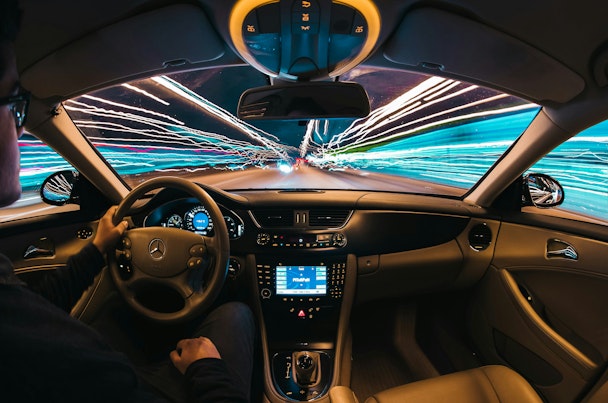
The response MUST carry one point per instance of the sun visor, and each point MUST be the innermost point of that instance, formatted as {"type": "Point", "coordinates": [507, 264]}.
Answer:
{"type": "Point", "coordinates": [146, 43]}
{"type": "Point", "coordinates": [430, 39]}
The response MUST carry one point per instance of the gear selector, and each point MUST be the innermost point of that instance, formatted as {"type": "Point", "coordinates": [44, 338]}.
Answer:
{"type": "Point", "coordinates": [307, 368]}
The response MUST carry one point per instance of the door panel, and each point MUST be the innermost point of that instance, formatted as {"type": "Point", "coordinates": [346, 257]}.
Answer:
{"type": "Point", "coordinates": [38, 245]}
{"type": "Point", "coordinates": [545, 314]}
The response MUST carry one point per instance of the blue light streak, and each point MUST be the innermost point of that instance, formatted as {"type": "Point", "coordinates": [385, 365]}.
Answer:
{"type": "Point", "coordinates": [439, 130]}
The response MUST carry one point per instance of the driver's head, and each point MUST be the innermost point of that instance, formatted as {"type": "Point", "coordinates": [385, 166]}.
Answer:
{"type": "Point", "coordinates": [10, 187]}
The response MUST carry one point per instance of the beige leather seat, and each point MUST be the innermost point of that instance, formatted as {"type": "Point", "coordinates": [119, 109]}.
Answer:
{"type": "Point", "coordinates": [490, 384]}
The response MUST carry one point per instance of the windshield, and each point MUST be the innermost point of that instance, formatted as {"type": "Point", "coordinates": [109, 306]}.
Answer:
{"type": "Point", "coordinates": [425, 134]}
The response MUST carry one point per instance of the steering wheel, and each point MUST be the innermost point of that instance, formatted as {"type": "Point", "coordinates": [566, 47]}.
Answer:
{"type": "Point", "coordinates": [192, 265]}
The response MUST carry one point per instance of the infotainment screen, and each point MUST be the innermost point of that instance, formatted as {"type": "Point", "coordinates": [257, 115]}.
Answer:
{"type": "Point", "coordinates": [301, 280]}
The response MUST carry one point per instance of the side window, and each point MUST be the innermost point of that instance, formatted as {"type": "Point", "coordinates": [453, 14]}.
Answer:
{"type": "Point", "coordinates": [581, 167]}
{"type": "Point", "coordinates": [38, 161]}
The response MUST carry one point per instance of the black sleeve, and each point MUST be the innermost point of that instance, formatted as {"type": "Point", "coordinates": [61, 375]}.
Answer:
{"type": "Point", "coordinates": [210, 383]}
{"type": "Point", "coordinates": [65, 286]}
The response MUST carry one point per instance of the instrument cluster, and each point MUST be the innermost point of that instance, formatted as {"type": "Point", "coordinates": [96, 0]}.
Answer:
{"type": "Point", "coordinates": [191, 215]}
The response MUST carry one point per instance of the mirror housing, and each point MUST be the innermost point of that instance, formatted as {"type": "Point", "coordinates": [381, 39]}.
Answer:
{"type": "Point", "coordinates": [542, 191]}
{"type": "Point", "coordinates": [57, 189]}
{"type": "Point", "coordinates": [302, 101]}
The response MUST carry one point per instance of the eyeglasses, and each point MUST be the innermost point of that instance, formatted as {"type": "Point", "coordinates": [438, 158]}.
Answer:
{"type": "Point", "coordinates": [18, 105]}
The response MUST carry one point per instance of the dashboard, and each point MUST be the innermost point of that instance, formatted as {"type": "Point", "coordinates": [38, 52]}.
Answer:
{"type": "Point", "coordinates": [400, 244]}
{"type": "Point", "coordinates": [189, 214]}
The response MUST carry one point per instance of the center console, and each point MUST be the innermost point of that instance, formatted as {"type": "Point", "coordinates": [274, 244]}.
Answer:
{"type": "Point", "coordinates": [302, 300]}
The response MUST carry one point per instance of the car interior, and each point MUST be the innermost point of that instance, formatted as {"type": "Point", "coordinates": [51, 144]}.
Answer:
{"type": "Point", "coordinates": [367, 284]}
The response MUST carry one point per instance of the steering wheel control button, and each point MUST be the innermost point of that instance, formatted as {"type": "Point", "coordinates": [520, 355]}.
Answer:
{"type": "Point", "coordinates": [126, 243]}
{"type": "Point", "coordinates": [127, 255]}
{"type": "Point", "coordinates": [197, 250]}
{"type": "Point", "coordinates": [124, 266]}
{"type": "Point", "coordinates": [195, 262]}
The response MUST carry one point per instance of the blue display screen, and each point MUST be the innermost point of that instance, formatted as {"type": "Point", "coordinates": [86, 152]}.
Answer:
{"type": "Point", "coordinates": [301, 280]}
{"type": "Point", "coordinates": [200, 221]}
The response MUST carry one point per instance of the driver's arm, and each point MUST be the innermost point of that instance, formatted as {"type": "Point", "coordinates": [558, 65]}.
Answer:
{"type": "Point", "coordinates": [65, 286]}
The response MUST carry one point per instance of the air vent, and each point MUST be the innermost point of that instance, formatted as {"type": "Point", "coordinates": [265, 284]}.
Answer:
{"type": "Point", "coordinates": [328, 218]}
{"type": "Point", "coordinates": [270, 218]}
{"type": "Point", "coordinates": [480, 237]}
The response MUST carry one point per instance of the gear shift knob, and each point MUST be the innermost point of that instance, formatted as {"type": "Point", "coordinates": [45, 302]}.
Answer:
{"type": "Point", "coordinates": [306, 365]}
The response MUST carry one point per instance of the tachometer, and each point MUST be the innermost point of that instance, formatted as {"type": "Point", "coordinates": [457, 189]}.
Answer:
{"type": "Point", "coordinates": [175, 221]}
{"type": "Point", "coordinates": [199, 220]}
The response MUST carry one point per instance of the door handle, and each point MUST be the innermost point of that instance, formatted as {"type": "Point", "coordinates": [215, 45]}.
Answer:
{"type": "Point", "coordinates": [43, 248]}
{"type": "Point", "coordinates": [561, 250]}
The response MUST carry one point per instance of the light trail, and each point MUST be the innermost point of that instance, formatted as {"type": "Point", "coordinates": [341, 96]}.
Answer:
{"type": "Point", "coordinates": [361, 136]}
{"type": "Point", "coordinates": [146, 93]}
{"type": "Point", "coordinates": [383, 137]}
{"type": "Point", "coordinates": [306, 141]}
{"type": "Point", "coordinates": [158, 143]}
{"type": "Point", "coordinates": [133, 108]}
{"type": "Point", "coordinates": [422, 134]}
{"type": "Point", "coordinates": [250, 130]}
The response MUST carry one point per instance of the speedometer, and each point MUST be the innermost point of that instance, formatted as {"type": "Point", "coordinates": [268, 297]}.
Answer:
{"type": "Point", "coordinates": [199, 220]}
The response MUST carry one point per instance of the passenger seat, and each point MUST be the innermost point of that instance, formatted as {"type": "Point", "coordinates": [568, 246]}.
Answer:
{"type": "Point", "coordinates": [489, 384]}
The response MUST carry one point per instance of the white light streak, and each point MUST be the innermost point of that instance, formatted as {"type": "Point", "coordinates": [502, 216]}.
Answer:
{"type": "Point", "coordinates": [146, 93]}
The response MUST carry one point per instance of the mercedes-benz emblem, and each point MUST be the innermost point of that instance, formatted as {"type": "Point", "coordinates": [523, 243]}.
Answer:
{"type": "Point", "coordinates": [157, 249]}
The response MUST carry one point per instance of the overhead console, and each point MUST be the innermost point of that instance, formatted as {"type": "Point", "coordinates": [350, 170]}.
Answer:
{"type": "Point", "coordinates": [304, 39]}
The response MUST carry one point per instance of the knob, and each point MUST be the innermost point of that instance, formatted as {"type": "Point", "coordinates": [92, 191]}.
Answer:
{"type": "Point", "coordinates": [338, 239]}
{"type": "Point", "coordinates": [306, 369]}
{"type": "Point", "coordinates": [263, 239]}
{"type": "Point", "coordinates": [265, 293]}
{"type": "Point", "coordinates": [305, 361]}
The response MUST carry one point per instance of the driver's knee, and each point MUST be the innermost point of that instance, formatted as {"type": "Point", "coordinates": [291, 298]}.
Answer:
{"type": "Point", "coordinates": [231, 327]}
{"type": "Point", "coordinates": [229, 322]}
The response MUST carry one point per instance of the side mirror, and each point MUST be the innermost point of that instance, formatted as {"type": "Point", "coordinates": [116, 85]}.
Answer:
{"type": "Point", "coordinates": [542, 191]}
{"type": "Point", "coordinates": [302, 101]}
{"type": "Point", "coordinates": [57, 188]}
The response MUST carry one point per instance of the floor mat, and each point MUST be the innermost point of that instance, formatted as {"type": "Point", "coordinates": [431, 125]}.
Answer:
{"type": "Point", "coordinates": [443, 336]}
{"type": "Point", "coordinates": [376, 364]}
{"type": "Point", "coordinates": [375, 370]}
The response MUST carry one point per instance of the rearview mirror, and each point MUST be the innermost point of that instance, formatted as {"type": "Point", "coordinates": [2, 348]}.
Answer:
{"type": "Point", "coordinates": [541, 190]}
{"type": "Point", "coordinates": [313, 100]}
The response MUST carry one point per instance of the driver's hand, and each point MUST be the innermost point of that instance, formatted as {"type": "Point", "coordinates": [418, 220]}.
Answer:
{"type": "Point", "coordinates": [190, 350]}
{"type": "Point", "coordinates": [107, 233]}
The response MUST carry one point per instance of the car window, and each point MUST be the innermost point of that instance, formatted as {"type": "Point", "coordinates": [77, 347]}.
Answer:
{"type": "Point", "coordinates": [425, 134]}
{"type": "Point", "coordinates": [580, 165]}
{"type": "Point", "coordinates": [38, 161]}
